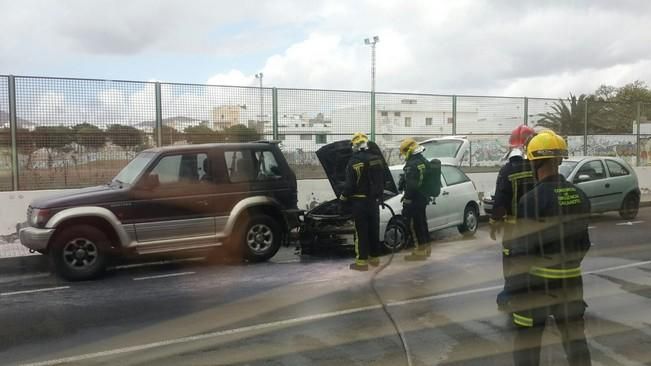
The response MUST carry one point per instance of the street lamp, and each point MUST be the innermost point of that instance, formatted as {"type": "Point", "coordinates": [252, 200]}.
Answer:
{"type": "Point", "coordinates": [372, 42]}
{"type": "Point", "coordinates": [259, 77]}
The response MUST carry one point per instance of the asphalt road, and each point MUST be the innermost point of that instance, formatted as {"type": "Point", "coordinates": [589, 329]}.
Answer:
{"type": "Point", "coordinates": [294, 311]}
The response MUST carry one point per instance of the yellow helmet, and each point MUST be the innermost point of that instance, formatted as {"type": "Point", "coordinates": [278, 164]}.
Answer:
{"type": "Point", "coordinates": [546, 145]}
{"type": "Point", "coordinates": [359, 138]}
{"type": "Point", "coordinates": [407, 146]}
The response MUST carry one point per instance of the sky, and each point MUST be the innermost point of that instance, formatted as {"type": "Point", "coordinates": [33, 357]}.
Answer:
{"type": "Point", "coordinates": [499, 47]}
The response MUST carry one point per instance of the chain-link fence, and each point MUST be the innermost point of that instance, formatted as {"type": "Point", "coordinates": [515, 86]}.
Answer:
{"type": "Point", "coordinates": [66, 133]}
{"type": "Point", "coordinates": [6, 155]}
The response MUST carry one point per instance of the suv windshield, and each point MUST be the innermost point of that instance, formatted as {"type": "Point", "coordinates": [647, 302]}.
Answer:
{"type": "Point", "coordinates": [130, 172]}
{"type": "Point", "coordinates": [441, 149]}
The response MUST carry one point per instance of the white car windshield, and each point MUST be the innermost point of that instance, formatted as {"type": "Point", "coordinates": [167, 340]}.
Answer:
{"type": "Point", "coordinates": [441, 149]}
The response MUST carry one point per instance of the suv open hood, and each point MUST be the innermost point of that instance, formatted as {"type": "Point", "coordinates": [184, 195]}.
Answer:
{"type": "Point", "coordinates": [334, 158]}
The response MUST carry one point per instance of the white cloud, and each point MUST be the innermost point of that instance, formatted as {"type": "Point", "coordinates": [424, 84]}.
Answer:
{"type": "Point", "coordinates": [479, 47]}
{"type": "Point", "coordinates": [232, 77]}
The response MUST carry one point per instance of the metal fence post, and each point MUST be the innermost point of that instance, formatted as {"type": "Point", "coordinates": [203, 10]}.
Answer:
{"type": "Point", "coordinates": [274, 113]}
{"type": "Point", "coordinates": [372, 115]}
{"type": "Point", "coordinates": [638, 147]}
{"type": "Point", "coordinates": [585, 129]}
{"type": "Point", "coordinates": [13, 127]}
{"type": "Point", "coordinates": [159, 116]}
{"type": "Point", "coordinates": [454, 115]}
{"type": "Point", "coordinates": [526, 111]}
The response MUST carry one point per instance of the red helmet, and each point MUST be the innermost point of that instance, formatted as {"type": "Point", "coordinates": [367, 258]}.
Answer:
{"type": "Point", "coordinates": [520, 135]}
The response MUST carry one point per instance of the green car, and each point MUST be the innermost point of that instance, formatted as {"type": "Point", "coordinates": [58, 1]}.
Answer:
{"type": "Point", "coordinates": [610, 183]}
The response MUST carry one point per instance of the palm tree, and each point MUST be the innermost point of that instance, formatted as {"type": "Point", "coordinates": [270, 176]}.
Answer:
{"type": "Point", "coordinates": [567, 117]}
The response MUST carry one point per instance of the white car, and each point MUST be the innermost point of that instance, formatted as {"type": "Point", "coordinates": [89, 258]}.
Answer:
{"type": "Point", "coordinates": [330, 223]}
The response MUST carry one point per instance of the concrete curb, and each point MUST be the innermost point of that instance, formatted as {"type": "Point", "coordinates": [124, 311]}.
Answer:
{"type": "Point", "coordinates": [484, 218]}
{"type": "Point", "coordinates": [24, 265]}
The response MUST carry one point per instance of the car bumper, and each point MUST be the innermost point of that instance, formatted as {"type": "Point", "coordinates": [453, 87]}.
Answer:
{"type": "Point", "coordinates": [32, 237]}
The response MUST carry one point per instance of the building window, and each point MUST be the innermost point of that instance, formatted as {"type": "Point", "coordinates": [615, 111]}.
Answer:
{"type": "Point", "coordinates": [428, 121]}
{"type": "Point", "coordinates": [222, 116]}
{"type": "Point", "coordinates": [407, 121]}
{"type": "Point", "coordinates": [397, 114]}
{"type": "Point", "coordinates": [321, 139]}
{"type": "Point", "coordinates": [306, 137]}
{"type": "Point", "coordinates": [450, 120]}
{"type": "Point", "coordinates": [281, 137]}
{"type": "Point", "coordinates": [384, 114]}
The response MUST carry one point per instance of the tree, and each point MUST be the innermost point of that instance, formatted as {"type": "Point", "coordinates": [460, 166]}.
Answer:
{"type": "Point", "coordinates": [567, 117]}
{"type": "Point", "coordinates": [201, 134]}
{"type": "Point", "coordinates": [88, 135]}
{"type": "Point", "coordinates": [169, 135]}
{"type": "Point", "coordinates": [616, 108]}
{"type": "Point", "coordinates": [51, 138]}
{"type": "Point", "coordinates": [240, 133]}
{"type": "Point", "coordinates": [127, 137]}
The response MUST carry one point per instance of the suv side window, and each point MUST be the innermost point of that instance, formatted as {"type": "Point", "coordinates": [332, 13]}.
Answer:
{"type": "Point", "coordinates": [453, 175]}
{"type": "Point", "coordinates": [240, 166]}
{"type": "Point", "coordinates": [593, 169]}
{"type": "Point", "coordinates": [181, 168]}
{"type": "Point", "coordinates": [616, 169]}
{"type": "Point", "coordinates": [268, 167]}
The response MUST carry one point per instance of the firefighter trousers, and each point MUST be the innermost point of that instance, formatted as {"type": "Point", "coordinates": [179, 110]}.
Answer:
{"type": "Point", "coordinates": [531, 324]}
{"type": "Point", "coordinates": [415, 214]}
{"type": "Point", "coordinates": [366, 214]}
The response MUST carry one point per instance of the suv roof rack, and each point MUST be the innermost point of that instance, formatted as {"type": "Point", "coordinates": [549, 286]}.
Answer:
{"type": "Point", "coordinates": [275, 142]}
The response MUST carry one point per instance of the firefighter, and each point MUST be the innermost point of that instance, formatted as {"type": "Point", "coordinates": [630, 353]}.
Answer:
{"type": "Point", "coordinates": [363, 189]}
{"type": "Point", "coordinates": [549, 244]}
{"type": "Point", "coordinates": [513, 181]}
{"type": "Point", "coordinates": [414, 201]}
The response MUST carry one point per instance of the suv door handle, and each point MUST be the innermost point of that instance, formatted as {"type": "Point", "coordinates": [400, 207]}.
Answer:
{"type": "Point", "coordinates": [445, 193]}
{"type": "Point", "coordinates": [607, 185]}
{"type": "Point", "coordinates": [202, 203]}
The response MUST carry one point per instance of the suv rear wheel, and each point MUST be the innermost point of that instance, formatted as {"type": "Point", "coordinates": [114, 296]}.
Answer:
{"type": "Point", "coordinates": [259, 239]}
{"type": "Point", "coordinates": [80, 253]}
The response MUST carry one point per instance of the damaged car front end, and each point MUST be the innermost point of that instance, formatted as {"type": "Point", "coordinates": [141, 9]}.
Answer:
{"type": "Point", "coordinates": [329, 225]}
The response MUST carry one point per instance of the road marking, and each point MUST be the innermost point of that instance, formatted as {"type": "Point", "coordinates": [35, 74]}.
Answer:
{"type": "Point", "coordinates": [163, 276]}
{"type": "Point", "coordinates": [291, 321]}
{"type": "Point", "coordinates": [23, 277]}
{"type": "Point", "coordinates": [158, 263]}
{"type": "Point", "coordinates": [287, 261]}
{"type": "Point", "coordinates": [34, 291]}
{"type": "Point", "coordinates": [591, 227]}
{"type": "Point", "coordinates": [630, 223]}
{"type": "Point", "coordinates": [623, 266]}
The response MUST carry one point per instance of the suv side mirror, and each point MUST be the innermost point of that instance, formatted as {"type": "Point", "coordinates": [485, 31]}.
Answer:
{"type": "Point", "coordinates": [582, 178]}
{"type": "Point", "coordinates": [150, 182]}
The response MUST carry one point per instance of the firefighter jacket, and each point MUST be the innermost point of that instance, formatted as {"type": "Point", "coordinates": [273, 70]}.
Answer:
{"type": "Point", "coordinates": [414, 176]}
{"type": "Point", "coordinates": [364, 176]}
{"type": "Point", "coordinates": [513, 181]}
{"type": "Point", "coordinates": [552, 237]}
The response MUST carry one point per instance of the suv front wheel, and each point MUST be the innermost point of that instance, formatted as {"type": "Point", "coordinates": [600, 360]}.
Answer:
{"type": "Point", "coordinates": [259, 239]}
{"type": "Point", "coordinates": [79, 253]}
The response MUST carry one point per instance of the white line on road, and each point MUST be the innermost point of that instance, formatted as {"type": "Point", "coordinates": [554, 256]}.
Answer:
{"type": "Point", "coordinates": [629, 223]}
{"type": "Point", "coordinates": [292, 321]}
{"type": "Point", "coordinates": [34, 291]}
{"type": "Point", "coordinates": [623, 266]}
{"type": "Point", "coordinates": [158, 263]}
{"type": "Point", "coordinates": [163, 276]}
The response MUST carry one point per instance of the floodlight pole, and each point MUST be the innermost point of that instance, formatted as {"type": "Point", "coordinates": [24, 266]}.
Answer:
{"type": "Point", "coordinates": [372, 42]}
{"type": "Point", "coordinates": [259, 76]}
